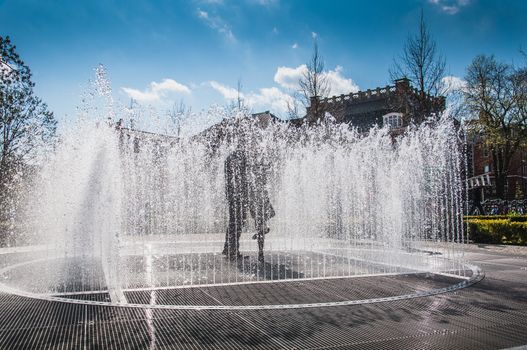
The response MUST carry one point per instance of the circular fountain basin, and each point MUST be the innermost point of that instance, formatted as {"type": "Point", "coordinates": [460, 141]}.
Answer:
{"type": "Point", "coordinates": [207, 280]}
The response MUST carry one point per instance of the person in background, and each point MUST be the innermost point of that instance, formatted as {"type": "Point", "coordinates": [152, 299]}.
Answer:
{"type": "Point", "coordinates": [236, 190]}
{"type": "Point", "coordinates": [259, 204]}
{"type": "Point", "coordinates": [246, 190]}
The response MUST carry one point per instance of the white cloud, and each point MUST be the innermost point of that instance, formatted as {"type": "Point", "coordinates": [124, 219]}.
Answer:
{"type": "Point", "coordinates": [452, 83]}
{"type": "Point", "coordinates": [156, 91]}
{"type": "Point", "coordinates": [450, 7]}
{"type": "Point", "coordinates": [294, 46]}
{"type": "Point", "coordinates": [212, 2]}
{"type": "Point", "coordinates": [272, 98]}
{"type": "Point", "coordinates": [228, 93]}
{"type": "Point", "coordinates": [314, 35]}
{"type": "Point", "coordinates": [276, 99]}
{"type": "Point", "coordinates": [169, 85]}
{"type": "Point", "coordinates": [265, 2]}
{"type": "Point", "coordinates": [340, 84]}
{"type": "Point", "coordinates": [288, 78]}
{"type": "Point", "coordinates": [203, 14]}
{"type": "Point", "coordinates": [140, 96]}
{"type": "Point", "coordinates": [218, 24]}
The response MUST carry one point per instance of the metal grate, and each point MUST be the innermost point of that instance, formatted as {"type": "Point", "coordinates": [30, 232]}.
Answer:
{"type": "Point", "coordinates": [491, 314]}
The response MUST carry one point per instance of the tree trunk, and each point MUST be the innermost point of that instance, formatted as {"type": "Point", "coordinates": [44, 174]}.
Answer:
{"type": "Point", "coordinates": [501, 180]}
{"type": "Point", "coordinates": [501, 162]}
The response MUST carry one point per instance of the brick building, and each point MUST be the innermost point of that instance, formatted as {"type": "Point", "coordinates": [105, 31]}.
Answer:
{"type": "Point", "coordinates": [395, 105]}
{"type": "Point", "coordinates": [481, 172]}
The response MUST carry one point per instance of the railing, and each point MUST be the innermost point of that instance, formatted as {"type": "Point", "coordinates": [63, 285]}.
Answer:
{"type": "Point", "coordinates": [499, 207]}
{"type": "Point", "coordinates": [361, 95]}
{"type": "Point", "coordinates": [483, 180]}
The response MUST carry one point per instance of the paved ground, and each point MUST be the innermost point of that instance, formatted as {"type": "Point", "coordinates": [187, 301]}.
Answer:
{"type": "Point", "coordinates": [491, 314]}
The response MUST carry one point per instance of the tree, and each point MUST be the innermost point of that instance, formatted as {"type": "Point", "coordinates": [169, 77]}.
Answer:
{"type": "Point", "coordinates": [423, 66]}
{"type": "Point", "coordinates": [238, 106]}
{"type": "Point", "coordinates": [25, 121]}
{"type": "Point", "coordinates": [496, 93]}
{"type": "Point", "coordinates": [239, 97]}
{"type": "Point", "coordinates": [177, 115]}
{"type": "Point", "coordinates": [314, 84]}
{"type": "Point", "coordinates": [293, 106]}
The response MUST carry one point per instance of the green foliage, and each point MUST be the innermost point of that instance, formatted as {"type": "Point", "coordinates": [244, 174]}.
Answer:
{"type": "Point", "coordinates": [518, 193]}
{"type": "Point", "coordinates": [26, 124]}
{"type": "Point", "coordinates": [496, 95]}
{"type": "Point", "coordinates": [510, 217]}
{"type": "Point", "coordinates": [498, 229]}
{"type": "Point", "coordinates": [27, 129]}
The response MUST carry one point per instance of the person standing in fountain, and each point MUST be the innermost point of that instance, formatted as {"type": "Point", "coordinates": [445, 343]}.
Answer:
{"type": "Point", "coordinates": [245, 187]}
{"type": "Point", "coordinates": [259, 204]}
{"type": "Point", "coordinates": [236, 190]}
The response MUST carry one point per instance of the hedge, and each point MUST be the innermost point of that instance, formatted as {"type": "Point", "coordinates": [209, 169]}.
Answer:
{"type": "Point", "coordinates": [498, 229]}
{"type": "Point", "coordinates": [511, 217]}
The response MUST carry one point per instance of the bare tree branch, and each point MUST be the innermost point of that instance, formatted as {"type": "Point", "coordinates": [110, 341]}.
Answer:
{"type": "Point", "coordinates": [177, 114]}
{"type": "Point", "coordinates": [314, 84]}
{"type": "Point", "coordinates": [421, 63]}
{"type": "Point", "coordinates": [496, 94]}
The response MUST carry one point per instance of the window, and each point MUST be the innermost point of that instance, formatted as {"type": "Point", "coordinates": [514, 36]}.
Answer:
{"type": "Point", "coordinates": [487, 168]}
{"type": "Point", "coordinates": [393, 120]}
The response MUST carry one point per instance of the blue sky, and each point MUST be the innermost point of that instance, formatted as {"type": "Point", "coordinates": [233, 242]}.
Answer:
{"type": "Point", "coordinates": [164, 51]}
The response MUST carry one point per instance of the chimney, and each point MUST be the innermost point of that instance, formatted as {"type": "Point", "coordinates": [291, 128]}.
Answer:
{"type": "Point", "coordinates": [313, 100]}
{"type": "Point", "coordinates": [402, 85]}
{"type": "Point", "coordinates": [314, 105]}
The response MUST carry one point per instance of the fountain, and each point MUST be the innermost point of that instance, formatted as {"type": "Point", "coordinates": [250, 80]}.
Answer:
{"type": "Point", "coordinates": [119, 214]}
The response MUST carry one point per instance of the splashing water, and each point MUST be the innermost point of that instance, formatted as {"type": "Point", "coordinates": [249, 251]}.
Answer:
{"type": "Point", "coordinates": [118, 209]}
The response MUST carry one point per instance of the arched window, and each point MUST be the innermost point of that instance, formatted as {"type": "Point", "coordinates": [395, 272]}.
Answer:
{"type": "Point", "coordinates": [393, 120]}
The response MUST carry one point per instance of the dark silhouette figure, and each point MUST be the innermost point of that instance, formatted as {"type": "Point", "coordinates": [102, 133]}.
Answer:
{"type": "Point", "coordinates": [236, 190]}
{"type": "Point", "coordinates": [245, 187]}
{"type": "Point", "coordinates": [259, 205]}
{"type": "Point", "coordinates": [477, 208]}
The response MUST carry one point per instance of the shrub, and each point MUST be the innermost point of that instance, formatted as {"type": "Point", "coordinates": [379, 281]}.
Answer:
{"type": "Point", "coordinates": [508, 230]}
{"type": "Point", "coordinates": [511, 217]}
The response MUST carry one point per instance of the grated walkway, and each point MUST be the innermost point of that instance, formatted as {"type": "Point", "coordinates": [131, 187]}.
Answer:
{"type": "Point", "coordinates": [491, 314]}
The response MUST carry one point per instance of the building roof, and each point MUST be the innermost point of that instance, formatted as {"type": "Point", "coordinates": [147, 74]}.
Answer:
{"type": "Point", "coordinates": [366, 108]}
